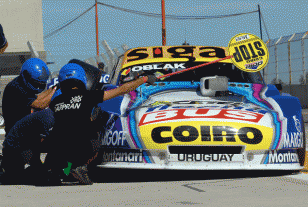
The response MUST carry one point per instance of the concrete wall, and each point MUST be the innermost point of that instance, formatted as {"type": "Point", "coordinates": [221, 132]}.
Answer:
{"type": "Point", "coordinates": [22, 21]}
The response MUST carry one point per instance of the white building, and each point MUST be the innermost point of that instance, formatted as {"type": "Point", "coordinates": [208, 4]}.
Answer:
{"type": "Point", "coordinates": [21, 21]}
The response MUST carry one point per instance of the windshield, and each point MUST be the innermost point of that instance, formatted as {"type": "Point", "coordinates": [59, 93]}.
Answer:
{"type": "Point", "coordinates": [217, 69]}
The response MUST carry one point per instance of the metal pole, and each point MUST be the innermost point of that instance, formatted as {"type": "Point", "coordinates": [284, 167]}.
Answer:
{"type": "Point", "coordinates": [289, 58]}
{"type": "Point", "coordinates": [112, 57]}
{"type": "Point", "coordinates": [34, 53]}
{"type": "Point", "coordinates": [260, 21]}
{"type": "Point", "coordinates": [266, 68]}
{"type": "Point", "coordinates": [303, 60]}
{"type": "Point", "coordinates": [276, 63]}
{"type": "Point", "coordinates": [96, 23]}
{"type": "Point", "coordinates": [125, 47]}
{"type": "Point", "coordinates": [276, 59]}
{"type": "Point", "coordinates": [303, 57]}
{"type": "Point", "coordinates": [163, 22]}
{"type": "Point", "coordinates": [107, 63]}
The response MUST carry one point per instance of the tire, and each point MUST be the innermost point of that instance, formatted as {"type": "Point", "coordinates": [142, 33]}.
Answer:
{"type": "Point", "coordinates": [0, 163]}
{"type": "Point", "coordinates": [1, 121]}
{"type": "Point", "coordinates": [301, 152]}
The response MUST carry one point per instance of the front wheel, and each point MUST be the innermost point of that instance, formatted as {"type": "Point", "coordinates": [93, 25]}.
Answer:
{"type": "Point", "coordinates": [1, 120]}
{"type": "Point", "coordinates": [302, 151]}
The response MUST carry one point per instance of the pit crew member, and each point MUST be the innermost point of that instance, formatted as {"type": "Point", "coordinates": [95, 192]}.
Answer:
{"type": "Point", "coordinates": [73, 132]}
{"type": "Point", "coordinates": [24, 93]}
{"type": "Point", "coordinates": [23, 140]}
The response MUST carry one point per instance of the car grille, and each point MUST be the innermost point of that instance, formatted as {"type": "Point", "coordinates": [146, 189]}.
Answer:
{"type": "Point", "coordinates": [206, 149]}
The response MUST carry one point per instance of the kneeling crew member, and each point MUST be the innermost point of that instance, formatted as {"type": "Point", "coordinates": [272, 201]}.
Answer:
{"type": "Point", "coordinates": [73, 131]}
{"type": "Point", "coordinates": [22, 141]}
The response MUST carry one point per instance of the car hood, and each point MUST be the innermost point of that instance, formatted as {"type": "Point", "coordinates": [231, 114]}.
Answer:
{"type": "Point", "coordinates": [187, 118]}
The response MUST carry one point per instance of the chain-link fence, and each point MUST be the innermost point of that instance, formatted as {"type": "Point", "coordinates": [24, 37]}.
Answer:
{"type": "Point", "coordinates": [109, 58]}
{"type": "Point", "coordinates": [287, 65]}
{"type": "Point", "coordinates": [288, 60]}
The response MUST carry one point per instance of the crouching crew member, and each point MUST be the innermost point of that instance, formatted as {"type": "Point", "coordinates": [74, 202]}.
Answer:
{"type": "Point", "coordinates": [21, 95]}
{"type": "Point", "coordinates": [25, 92]}
{"type": "Point", "coordinates": [21, 142]}
{"type": "Point", "coordinates": [73, 131]}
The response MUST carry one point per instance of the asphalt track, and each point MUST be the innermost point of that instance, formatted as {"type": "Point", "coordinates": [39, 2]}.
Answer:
{"type": "Point", "coordinates": [169, 188]}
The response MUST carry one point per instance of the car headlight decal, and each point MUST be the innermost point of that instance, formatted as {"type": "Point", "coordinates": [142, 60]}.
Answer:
{"type": "Point", "coordinates": [257, 135]}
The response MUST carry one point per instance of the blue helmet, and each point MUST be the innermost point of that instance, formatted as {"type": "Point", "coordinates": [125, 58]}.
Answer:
{"type": "Point", "coordinates": [35, 74]}
{"type": "Point", "coordinates": [72, 71]}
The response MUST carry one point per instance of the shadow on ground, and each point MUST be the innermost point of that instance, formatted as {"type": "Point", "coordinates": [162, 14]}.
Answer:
{"type": "Point", "coordinates": [129, 175]}
{"type": "Point", "coordinates": [100, 175]}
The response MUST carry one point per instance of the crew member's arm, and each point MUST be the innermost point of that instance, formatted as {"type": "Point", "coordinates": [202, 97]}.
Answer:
{"type": "Point", "coordinates": [4, 48]}
{"type": "Point", "coordinates": [128, 87]}
{"type": "Point", "coordinates": [43, 99]}
{"type": "Point", "coordinates": [3, 42]}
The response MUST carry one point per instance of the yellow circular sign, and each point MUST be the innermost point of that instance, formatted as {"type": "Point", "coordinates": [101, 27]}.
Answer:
{"type": "Point", "coordinates": [249, 52]}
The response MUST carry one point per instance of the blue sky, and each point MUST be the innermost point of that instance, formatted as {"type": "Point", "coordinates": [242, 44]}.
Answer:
{"type": "Point", "coordinates": [117, 27]}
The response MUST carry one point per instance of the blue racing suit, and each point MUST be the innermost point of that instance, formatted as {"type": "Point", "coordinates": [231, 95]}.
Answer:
{"type": "Point", "coordinates": [24, 139]}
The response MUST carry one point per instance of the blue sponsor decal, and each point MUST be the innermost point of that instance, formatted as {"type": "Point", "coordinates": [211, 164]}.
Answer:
{"type": "Point", "coordinates": [52, 83]}
{"type": "Point", "coordinates": [114, 136]}
{"type": "Point", "coordinates": [105, 78]}
{"type": "Point", "coordinates": [293, 138]}
{"type": "Point", "coordinates": [122, 155]}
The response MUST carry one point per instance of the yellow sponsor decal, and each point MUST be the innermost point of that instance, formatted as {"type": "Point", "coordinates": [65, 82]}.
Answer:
{"type": "Point", "coordinates": [160, 54]}
{"type": "Point", "coordinates": [159, 136]}
{"type": "Point", "coordinates": [249, 52]}
{"type": "Point", "coordinates": [160, 103]}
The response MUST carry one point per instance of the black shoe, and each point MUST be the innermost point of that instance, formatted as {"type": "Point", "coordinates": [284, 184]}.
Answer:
{"type": "Point", "coordinates": [68, 178]}
{"type": "Point", "coordinates": [81, 174]}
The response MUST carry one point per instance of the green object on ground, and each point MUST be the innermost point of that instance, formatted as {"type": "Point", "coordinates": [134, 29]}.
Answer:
{"type": "Point", "coordinates": [68, 168]}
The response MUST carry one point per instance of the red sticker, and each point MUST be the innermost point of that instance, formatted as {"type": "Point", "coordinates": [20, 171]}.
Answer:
{"type": "Point", "coordinates": [180, 114]}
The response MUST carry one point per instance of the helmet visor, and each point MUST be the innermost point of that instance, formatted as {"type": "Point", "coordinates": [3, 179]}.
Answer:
{"type": "Point", "coordinates": [37, 84]}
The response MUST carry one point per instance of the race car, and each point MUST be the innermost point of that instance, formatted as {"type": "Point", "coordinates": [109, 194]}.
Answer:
{"type": "Point", "coordinates": [213, 117]}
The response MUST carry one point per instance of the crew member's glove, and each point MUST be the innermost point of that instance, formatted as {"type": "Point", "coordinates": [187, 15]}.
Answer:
{"type": "Point", "coordinates": [151, 79]}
